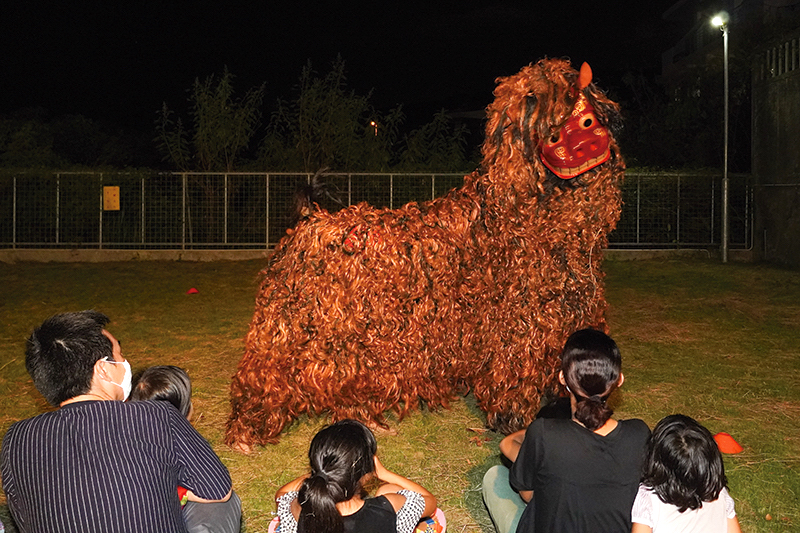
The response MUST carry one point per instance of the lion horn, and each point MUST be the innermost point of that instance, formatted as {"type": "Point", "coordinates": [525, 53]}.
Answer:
{"type": "Point", "coordinates": [585, 77]}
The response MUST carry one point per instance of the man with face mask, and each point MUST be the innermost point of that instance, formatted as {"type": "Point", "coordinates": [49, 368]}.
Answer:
{"type": "Point", "coordinates": [97, 463]}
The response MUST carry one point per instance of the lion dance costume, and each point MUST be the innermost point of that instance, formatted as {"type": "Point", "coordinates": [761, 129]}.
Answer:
{"type": "Point", "coordinates": [367, 310]}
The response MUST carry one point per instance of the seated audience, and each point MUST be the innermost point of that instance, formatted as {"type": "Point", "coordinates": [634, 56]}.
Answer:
{"type": "Point", "coordinates": [331, 499]}
{"type": "Point", "coordinates": [683, 486]}
{"type": "Point", "coordinates": [165, 382]}
{"type": "Point", "coordinates": [96, 463]}
{"type": "Point", "coordinates": [577, 475]}
{"type": "Point", "coordinates": [172, 384]}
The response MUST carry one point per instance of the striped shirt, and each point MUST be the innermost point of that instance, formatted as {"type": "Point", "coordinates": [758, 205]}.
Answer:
{"type": "Point", "coordinates": [107, 466]}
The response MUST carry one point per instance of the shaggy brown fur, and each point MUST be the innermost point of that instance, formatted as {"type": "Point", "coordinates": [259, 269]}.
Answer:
{"type": "Point", "coordinates": [367, 310]}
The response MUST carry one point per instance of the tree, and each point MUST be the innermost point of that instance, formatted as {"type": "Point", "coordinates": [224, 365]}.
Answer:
{"type": "Point", "coordinates": [26, 143]}
{"type": "Point", "coordinates": [222, 127]}
{"type": "Point", "coordinates": [327, 125]}
{"type": "Point", "coordinates": [32, 138]}
{"type": "Point", "coordinates": [438, 145]}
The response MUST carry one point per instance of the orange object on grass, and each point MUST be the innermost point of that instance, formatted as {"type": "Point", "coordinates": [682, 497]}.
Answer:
{"type": "Point", "coordinates": [727, 444]}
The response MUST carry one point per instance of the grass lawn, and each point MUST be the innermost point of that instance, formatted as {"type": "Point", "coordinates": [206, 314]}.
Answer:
{"type": "Point", "coordinates": [720, 343]}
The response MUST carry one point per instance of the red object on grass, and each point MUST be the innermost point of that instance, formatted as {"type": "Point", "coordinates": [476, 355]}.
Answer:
{"type": "Point", "coordinates": [727, 444]}
{"type": "Point", "coordinates": [192, 291]}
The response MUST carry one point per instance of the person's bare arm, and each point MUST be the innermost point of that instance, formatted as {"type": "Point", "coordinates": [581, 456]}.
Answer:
{"type": "Point", "coordinates": [733, 525]}
{"type": "Point", "coordinates": [511, 444]}
{"type": "Point", "coordinates": [641, 528]}
{"type": "Point", "coordinates": [192, 497]}
{"type": "Point", "coordinates": [293, 485]}
{"type": "Point", "coordinates": [396, 481]}
{"type": "Point", "coordinates": [510, 447]}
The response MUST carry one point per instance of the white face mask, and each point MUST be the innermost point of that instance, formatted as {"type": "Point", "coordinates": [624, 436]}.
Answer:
{"type": "Point", "coordinates": [126, 379]}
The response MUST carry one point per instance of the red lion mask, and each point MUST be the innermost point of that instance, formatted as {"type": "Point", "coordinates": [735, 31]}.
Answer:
{"type": "Point", "coordinates": [581, 142]}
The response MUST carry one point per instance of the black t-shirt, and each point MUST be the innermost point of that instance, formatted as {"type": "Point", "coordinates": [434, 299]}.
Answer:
{"type": "Point", "coordinates": [377, 514]}
{"type": "Point", "coordinates": [582, 482]}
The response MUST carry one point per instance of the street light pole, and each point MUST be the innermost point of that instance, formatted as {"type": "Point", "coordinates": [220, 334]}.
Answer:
{"type": "Point", "coordinates": [721, 21]}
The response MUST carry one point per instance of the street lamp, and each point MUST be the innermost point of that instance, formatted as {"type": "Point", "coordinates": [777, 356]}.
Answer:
{"type": "Point", "coordinates": [721, 21]}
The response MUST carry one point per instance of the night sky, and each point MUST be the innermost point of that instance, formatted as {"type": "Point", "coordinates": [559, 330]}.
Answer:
{"type": "Point", "coordinates": [118, 61]}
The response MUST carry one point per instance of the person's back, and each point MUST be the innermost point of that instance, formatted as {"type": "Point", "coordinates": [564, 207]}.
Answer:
{"type": "Point", "coordinates": [103, 466]}
{"type": "Point", "coordinates": [377, 515]}
{"type": "Point", "coordinates": [684, 487]}
{"type": "Point", "coordinates": [97, 464]}
{"type": "Point", "coordinates": [331, 499]}
{"type": "Point", "coordinates": [577, 475]}
{"type": "Point", "coordinates": [169, 384]}
{"type": "Point", "coordinates": [581, 481]}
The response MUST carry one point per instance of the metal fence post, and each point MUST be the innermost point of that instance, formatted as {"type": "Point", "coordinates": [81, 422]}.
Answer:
{"type": "Point", "coordinates": [266, 211]}
{"type": "Point", "coordinates": [14, 215]}
{"type": "Point", "coordinates": [58, 205]}
{"type": "Point", "coordinates": [748, 216]}
{"type": "Point", "coordinates": [638, 208]}
{"type": "Point", "coordinates": [725, 222]}
{"type": "Point", "coordinates": [142, 225]}
{"type": "Point", "coordinates": [678, 212]}
{"type": "Point", "coordinates": [100, 226]}
{"type": "Point", "coordinates": [391, 191]}
{"type": "Point", "coordinates": [433, 186]}
{"type": "Point", "coordinates": [183, 211]}
{"type": "Point", "coordinates": [225, 211]}
{"type": "Point", "coordinates": [713, 199]}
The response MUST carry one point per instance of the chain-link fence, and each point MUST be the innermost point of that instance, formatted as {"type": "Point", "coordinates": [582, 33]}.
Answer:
{"type": "Point", "coordinates": [253, 210]}
{"type": "Point", "coordinates": [682, 210]}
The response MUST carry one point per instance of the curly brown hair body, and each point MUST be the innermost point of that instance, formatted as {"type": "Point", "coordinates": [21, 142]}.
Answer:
{"type": "Point", "coordinates": [367, 310]}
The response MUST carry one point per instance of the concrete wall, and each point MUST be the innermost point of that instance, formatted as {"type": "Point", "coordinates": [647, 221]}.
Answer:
{"type": "Point", "coordinates": [776, 152]}
{"type": "Point", "coordinates": [41, 255]}
{"type": "Point", "coordinates": [98, 256]}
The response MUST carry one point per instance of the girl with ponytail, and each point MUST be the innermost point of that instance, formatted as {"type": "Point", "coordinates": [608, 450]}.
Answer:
{"type": "Point", "coordinates": [576, 475]}
{"type": "Point", "coordinates": [331, 498]}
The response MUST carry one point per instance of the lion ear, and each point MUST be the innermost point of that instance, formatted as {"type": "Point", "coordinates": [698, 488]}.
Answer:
{"type": "Point", "coordinates": [585, 77]}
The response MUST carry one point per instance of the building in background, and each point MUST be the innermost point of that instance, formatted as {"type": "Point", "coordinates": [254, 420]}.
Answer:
{"type": "Point", "coordinates": [764, 134]}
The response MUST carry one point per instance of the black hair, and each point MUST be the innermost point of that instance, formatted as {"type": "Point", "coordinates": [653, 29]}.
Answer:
{"type": "Point", "coordinates": [61, 353]}
{"type": "Point", "coordinates": [165, 382]}
{"type": "Point", "coordinates": [340, 456]}
{"type": "Point", "coordinates": [683, 465]}
{"type": "Point", "coordinates": [591, 364]}
{"type": "Point", "coordinates": [306, 199]}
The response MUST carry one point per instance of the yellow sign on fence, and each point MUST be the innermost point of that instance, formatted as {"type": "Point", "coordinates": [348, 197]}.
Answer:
{"type": "Point", "coordinates": [110, 198]}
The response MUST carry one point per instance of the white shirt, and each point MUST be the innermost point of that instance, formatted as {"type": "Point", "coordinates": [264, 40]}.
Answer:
{"type": "Point", "coordinates": [662, 517]}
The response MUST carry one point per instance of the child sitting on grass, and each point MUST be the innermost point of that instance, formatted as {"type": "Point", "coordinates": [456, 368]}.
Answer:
{"type": "Point", "coordinates": [165, 382]}
{"type": "Point", "coordinates": [683, 483]}
{"type": "Point", "coordinates": [172, 384]}
{"type": "Point", "coordinates": [331, 498]}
